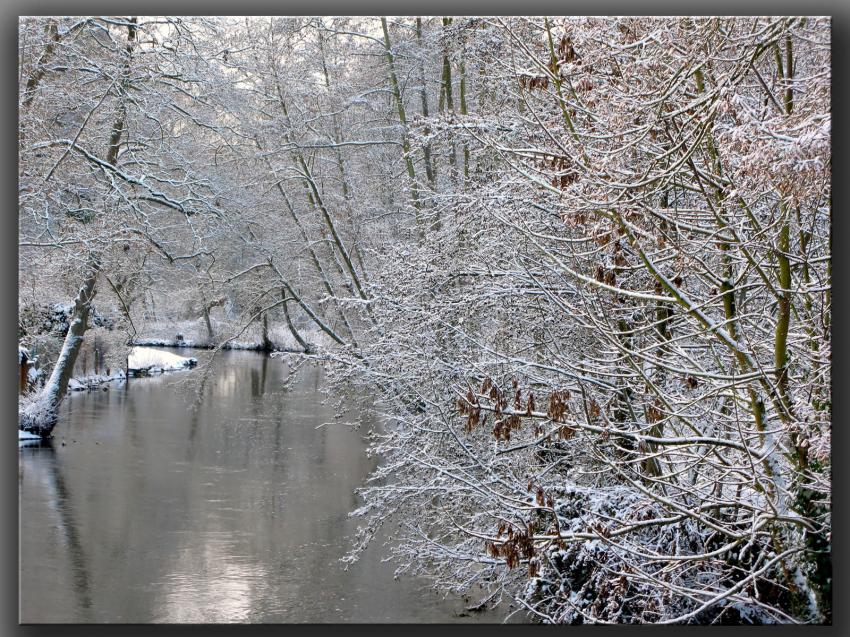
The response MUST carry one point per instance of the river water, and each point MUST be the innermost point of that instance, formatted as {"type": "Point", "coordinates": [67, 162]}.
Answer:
{"type": "Point", "coordinates": [234, 511]}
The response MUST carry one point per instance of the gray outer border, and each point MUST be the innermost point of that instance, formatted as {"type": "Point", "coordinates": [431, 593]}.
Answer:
{"type": "Point", "coordinates": [8, 36]}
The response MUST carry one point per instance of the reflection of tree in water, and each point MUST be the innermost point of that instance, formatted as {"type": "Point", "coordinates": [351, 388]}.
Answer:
{"type": "Point", "coordinates": [59, 500]}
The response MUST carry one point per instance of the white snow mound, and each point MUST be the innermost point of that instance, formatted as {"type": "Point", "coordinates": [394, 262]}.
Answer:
{"type": "Point", "coordinates": [154, 360]}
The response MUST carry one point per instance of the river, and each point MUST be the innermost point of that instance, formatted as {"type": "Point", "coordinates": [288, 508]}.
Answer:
{"type": "Point", "coordinates": [234, 511]}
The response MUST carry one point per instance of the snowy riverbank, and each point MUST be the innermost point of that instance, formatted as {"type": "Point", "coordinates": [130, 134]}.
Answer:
{"type": "Point", "coordinates": [193, 335]}
{"type": "Point", "coordinates": [163, 342]}
{"type": "Point", "coordinates": [142, 361]}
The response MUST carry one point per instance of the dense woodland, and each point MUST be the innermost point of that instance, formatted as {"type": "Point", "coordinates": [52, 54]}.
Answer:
{"type": "Point", "coordinates": [583, 265]}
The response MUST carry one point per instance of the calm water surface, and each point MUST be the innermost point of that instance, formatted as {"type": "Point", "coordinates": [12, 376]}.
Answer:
{"type": "Point", "coordinates": [236, 511]}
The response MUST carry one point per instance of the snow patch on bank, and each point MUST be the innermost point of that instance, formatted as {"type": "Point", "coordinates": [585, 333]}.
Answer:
{"type": "Point", "coordinates": [145, 360]}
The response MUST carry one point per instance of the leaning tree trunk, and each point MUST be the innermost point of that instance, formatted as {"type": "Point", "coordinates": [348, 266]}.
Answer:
{"type": "Point", "coordinates": [41, 415]}
{"type": "Point", "coordinates": [304, 344]}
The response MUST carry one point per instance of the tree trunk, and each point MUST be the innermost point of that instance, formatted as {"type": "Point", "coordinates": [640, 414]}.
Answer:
{"type": "Point", "coordinates": [429, 166]}
{"type": "Point", "coordinates": [40, 417]}
{"type": "Point", "coordinates": [210, 333]}
{"type": "Point", "coordinates": [313, 256]}
{"type": "Point", "coordinates": [447, 100]}
{"type": "Point", "coordinates": [24, 368]}
{"type": "Point", "coordinates": [464, 111]}
{"type": "Point", "coordinates": [402, 117]}
{"type": "Point", "coordinates": [295, 334]}
{"type": "Point", "coordinates": [267, 345]}
{"type": "Point", "coordinates": [346, 189]}
{"type": "Point", "coordinates": [315, 197]}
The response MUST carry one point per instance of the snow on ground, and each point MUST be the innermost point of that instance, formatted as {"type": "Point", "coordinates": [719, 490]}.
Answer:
{"type": "Point", "coordinates": [154, 361]}
{"type": "Point", "coordinates": [25, 435]}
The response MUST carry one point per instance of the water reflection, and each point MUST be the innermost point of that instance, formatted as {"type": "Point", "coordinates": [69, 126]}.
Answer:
{"type": "Point", "coordinates": [59, 504]}
{"type": "Point", "coordinates": [225, 592]}
{"type": "Point", "coordinates": [220, 501]}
